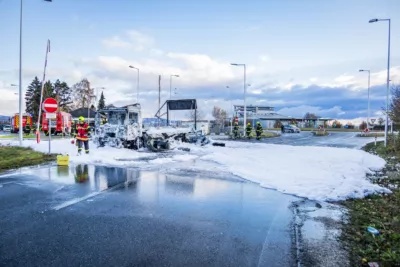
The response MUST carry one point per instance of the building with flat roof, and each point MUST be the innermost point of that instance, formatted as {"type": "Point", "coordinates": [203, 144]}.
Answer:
{"type": "Point", "coordinates": [268, 117]}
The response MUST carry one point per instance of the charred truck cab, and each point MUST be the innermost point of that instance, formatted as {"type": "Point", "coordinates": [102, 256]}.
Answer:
{"type": "Point", "coordinates": [123, 127]}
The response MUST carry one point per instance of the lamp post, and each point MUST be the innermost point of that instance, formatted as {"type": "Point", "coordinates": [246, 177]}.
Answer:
{"type": "Point", "coordinates": [245, 89]}
{"type": "Point", "coordinates": [170, 84]}
{"type": "Point", "coordinates": [137, 85]}
{"type": "Point", "coordinates": [230, 103]}
{"type": "Point", "coordinates": [387, 79]}
{"type": "Point", "coordinates": [369, 80]}
{"type": "Point", "coordinates": [20, 137]}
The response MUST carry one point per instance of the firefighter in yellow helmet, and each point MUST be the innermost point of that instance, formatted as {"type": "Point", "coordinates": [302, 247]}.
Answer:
{"type": "Point", "coordinates": [248, 130]}
{"type": "Point", "coordinates": [82, 135]}
{"type": "Point", "coordinates": [235, 130]}
{"type": "Point", "coordinates": [259, 130]}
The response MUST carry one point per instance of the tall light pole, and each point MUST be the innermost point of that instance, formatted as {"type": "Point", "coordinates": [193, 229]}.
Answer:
{"type": "Point", "coordinates": [137, 86]}
{"type": "Point", "coordinates": [369, 80]}
{"type": "Point", "coordinates": [245, 91]}
{"type": "Point", "coordinates": [170, 84]}
{"type": "Point", "coordinates": [20, 137]}
{"type": "Point", "coordinates": [387, 79]}
{"type": "Point", "coordinates": [230, 103]}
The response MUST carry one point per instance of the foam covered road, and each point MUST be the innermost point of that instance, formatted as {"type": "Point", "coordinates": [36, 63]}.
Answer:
{"type": "Point", "coordinates": [102, 216]}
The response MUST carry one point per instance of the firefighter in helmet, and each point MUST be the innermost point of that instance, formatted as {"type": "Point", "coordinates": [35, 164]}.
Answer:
{"type": "Point", "coordinates": [235, 130]}
{"type": "Point", "coordinates": [82, 135]}
{"type": "Point", "coordinates": [259, 130]}
{"type": "Point", "coordinates": [248, 130]}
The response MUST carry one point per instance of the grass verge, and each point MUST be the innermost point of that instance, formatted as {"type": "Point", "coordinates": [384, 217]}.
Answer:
{"type": "Point", "coordinates": [12, 157]}
{"type": "Point", "coordinates": [378, 134]}
{"type": "Point", "coordinates": [379, 211]}
{"type": "Point", "coordinates": [320, 133]}
{"type": "Point", "coordinates": [16, 136]}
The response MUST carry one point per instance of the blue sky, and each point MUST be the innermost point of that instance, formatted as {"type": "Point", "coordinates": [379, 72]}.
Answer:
{"type": "Point", "coordinates": [301, 55]}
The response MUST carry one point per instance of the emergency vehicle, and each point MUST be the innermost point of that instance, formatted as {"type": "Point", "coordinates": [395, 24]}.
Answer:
{"type": "Point", "coordinates": [26, 123]}
{"type": "Point", "coordinates": [62, 124]}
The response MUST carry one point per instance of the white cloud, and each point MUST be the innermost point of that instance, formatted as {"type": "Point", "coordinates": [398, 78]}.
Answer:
{"type": "Point", "coordinates": [116, 42]}
{"type": "Point", "coordinates": [313, 80]}
{"type": "Point", "coordinates": [140, 40]}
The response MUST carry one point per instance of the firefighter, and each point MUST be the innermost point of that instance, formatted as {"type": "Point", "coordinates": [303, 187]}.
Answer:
{"type": "Point", "coordinates": [259, 130]}
{"type": "Point", "coordinates": [82, 135]}
{"type": "Point", "coordinates": [248, 130]}
{"type": "Point", "coordinates": [235, 130]}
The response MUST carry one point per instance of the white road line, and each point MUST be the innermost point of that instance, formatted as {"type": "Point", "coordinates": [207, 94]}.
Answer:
{"type": "Point", "coordinates": [75, 200]}
{"type": "Point", "coordinates": [80, 199]}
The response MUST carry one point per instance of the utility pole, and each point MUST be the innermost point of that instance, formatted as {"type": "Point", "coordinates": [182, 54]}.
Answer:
{"type": "Point", "coordinates": [159, 97]}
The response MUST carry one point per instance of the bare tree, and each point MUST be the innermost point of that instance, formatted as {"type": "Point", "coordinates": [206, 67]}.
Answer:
{"type": "Point", "coordinates": [82, 94]}
{"type": "Point", "coordinates": [381, 121]}
{"type": "Point", "coordinates": [219, 114]}
{"type": "Point", "coordinates": [199, 114]}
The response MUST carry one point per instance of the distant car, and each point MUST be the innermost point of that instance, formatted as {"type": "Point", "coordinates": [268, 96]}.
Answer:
{"type": "Point", "coordinates": [7, 128]}
{"type": "Point", "coordinates": [291, 129]}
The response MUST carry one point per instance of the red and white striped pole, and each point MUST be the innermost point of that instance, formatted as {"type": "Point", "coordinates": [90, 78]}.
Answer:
{"type": "Point", "coordinates": [41, 94]}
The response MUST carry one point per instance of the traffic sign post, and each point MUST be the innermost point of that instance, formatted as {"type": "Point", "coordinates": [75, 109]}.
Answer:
{"type": "Point", "coordinates": [50, 106]}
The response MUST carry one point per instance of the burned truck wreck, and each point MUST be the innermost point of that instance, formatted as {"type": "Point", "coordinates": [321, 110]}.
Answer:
{"type": "Point", "coordinates": [124, 129]}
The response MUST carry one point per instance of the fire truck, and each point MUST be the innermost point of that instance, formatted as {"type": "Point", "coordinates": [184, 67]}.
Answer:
{"type": "Point", "coordinates": [62, 124]}
{"type": "Point", "coordinates": [26, 123]}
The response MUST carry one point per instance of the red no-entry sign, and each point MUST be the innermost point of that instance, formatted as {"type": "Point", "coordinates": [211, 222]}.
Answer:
{"type": "Point", "coordinates": [50, 105]}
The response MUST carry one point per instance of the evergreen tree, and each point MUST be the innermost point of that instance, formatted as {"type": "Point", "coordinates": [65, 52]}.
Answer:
{"type": "Point", "coordinates": [48, 90]}
{"type": "Point", "coordinates": [102, 102]}
{"type": "Point", "coordinates": [32, 98]}
{"type": "Point", "coordinates": [63, 95]}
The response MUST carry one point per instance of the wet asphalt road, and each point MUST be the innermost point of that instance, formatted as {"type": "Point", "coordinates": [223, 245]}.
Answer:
{"type": "Point", "coordinates": [102, 216]}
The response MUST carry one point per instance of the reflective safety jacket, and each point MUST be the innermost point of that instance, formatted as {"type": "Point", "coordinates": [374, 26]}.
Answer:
{"type": "Point", "coordinates": [82, 131]}
{"type": "Point", "coordinates": [259, 129]}
{"type": "Point", "coordinates": [248, 129]}
{"type": "Point", "coordinates": [235, 128]}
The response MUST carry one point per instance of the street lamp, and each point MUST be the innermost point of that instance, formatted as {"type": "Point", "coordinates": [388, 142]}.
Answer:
{"type": "Point", "coordinates": [230, 103]}
{"type": "Point", "coordinates": [20, 137]}
{"type": "Point", "coordinates": [387, 79]}
{"type": "Point", "coordinates": [170, 84]}
{"type": "Point", "coordinates": [137, 86]}
{"type": "Point", "coordinates": [245, 89]}
{"type": "Point", "coordinates": [369, 79]}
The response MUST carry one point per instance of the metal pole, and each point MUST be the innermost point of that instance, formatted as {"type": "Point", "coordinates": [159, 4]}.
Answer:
{"type": "Point", "coordinates": [368, 115]}
{"type": "Point", "coordinates": [245, 91]}
{"type": "Point", "coordinates": [170, 86]}
{"type": "Point", "coordinates": [387, 89]}
{"type": "Point", "coordinates": [48, 123]}
{"type": "Point", "coordinates": [20, 77]}
{"type": "Point", "coordinates": [137, 98]}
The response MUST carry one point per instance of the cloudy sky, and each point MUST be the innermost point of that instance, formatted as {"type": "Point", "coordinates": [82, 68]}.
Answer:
{"type": "Point", "coordinates": [301, 56]}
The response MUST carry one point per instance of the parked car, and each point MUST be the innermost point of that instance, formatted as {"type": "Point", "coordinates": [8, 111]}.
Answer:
{"type": "Point", "coordinates": [7, 128]}
{"type": "Point", "coordinates": [291, 129]}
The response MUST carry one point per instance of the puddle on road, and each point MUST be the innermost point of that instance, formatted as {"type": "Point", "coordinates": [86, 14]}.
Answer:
{"type": "Point", "coordinates": [196, 197]}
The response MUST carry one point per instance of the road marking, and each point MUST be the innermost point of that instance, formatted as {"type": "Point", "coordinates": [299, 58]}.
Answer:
{"type": "Point", "coordinates": [75, 200]}
{"type": "Point", "coordinates": [80, 199]}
